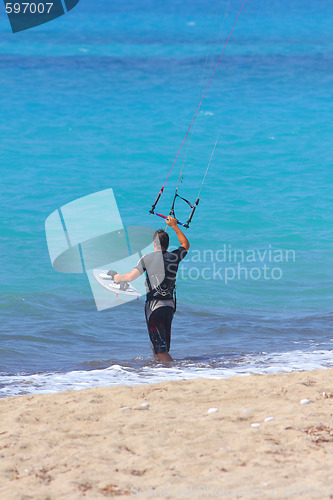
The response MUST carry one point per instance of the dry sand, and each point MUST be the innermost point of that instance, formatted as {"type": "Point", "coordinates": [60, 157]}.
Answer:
{"type": "Point", "coordinates": [81, 444]}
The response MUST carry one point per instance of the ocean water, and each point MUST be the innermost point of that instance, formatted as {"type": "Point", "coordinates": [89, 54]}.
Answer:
{"type": "Point", "coordinates": [103, 97]}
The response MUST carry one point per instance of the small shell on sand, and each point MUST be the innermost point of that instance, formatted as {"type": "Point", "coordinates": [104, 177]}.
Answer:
{"type": "Point", "coordinates": [255, 424]}
{"type": "Point", "coordinates": [124, 408]}
{"type": "Point", "coordinates": [305, 401]}
{"type": "Point", "coordinates": [143, 406]}
{"type": "Point", "coordinates": [269, 419]}
{"type": "Point", "coordinates": [212, 410]}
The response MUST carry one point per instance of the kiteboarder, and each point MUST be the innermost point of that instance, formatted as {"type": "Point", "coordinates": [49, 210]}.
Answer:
{"type": "Point", "coordinates": [161, 269]}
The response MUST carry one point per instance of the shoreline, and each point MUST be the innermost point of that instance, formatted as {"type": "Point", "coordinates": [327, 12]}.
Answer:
{"type": "Point", "coordinates": [100, 442]}
{"type": "Point", "coordinates": [219, 367]}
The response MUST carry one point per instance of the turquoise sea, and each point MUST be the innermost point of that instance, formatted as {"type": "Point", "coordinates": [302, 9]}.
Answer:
{"type": "Point", "coordinates": [102, 98]}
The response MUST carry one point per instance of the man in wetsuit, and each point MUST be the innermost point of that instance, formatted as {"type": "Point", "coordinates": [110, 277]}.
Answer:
{"type": "Point", "coordinates": [161, 269]}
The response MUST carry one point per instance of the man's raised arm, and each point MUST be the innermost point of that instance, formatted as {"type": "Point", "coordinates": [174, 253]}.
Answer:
{"type": "Point", "coordinates": [181, 236]}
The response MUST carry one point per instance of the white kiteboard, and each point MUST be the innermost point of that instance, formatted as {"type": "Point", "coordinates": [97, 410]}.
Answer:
{"type": "Point", "coordinates": [106, 281]}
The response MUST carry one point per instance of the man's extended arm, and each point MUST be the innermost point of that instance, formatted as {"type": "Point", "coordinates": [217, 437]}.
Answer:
{"type": "Point", "coordinates": [135, 273]}
{"type": "Point", "coordinates": [181, 236]}
{"type": "Point", "coordinates": [131, 276]}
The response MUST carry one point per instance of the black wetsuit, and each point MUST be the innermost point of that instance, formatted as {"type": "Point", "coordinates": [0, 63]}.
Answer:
{"type": "Point", "coordinates": [161, 270]}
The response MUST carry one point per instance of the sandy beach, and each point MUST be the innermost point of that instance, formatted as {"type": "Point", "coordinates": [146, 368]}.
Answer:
{"type": "Point", "coordinates": [159, 441]}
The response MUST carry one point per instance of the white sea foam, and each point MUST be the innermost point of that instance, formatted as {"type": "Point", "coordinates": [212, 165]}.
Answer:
{"type": "Point", "coordinates": [123, 375]}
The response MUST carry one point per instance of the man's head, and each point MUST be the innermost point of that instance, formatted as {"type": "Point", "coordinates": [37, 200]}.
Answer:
{"type": "Point", "coordinates": [161, 240]}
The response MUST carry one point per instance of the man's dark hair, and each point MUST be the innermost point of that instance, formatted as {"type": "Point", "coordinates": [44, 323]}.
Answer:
{"type": "Point", "coordinates": [161, 239]}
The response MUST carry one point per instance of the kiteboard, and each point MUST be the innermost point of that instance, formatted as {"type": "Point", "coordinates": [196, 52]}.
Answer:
{"type": "Point", "coordinates": [105, 279]}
